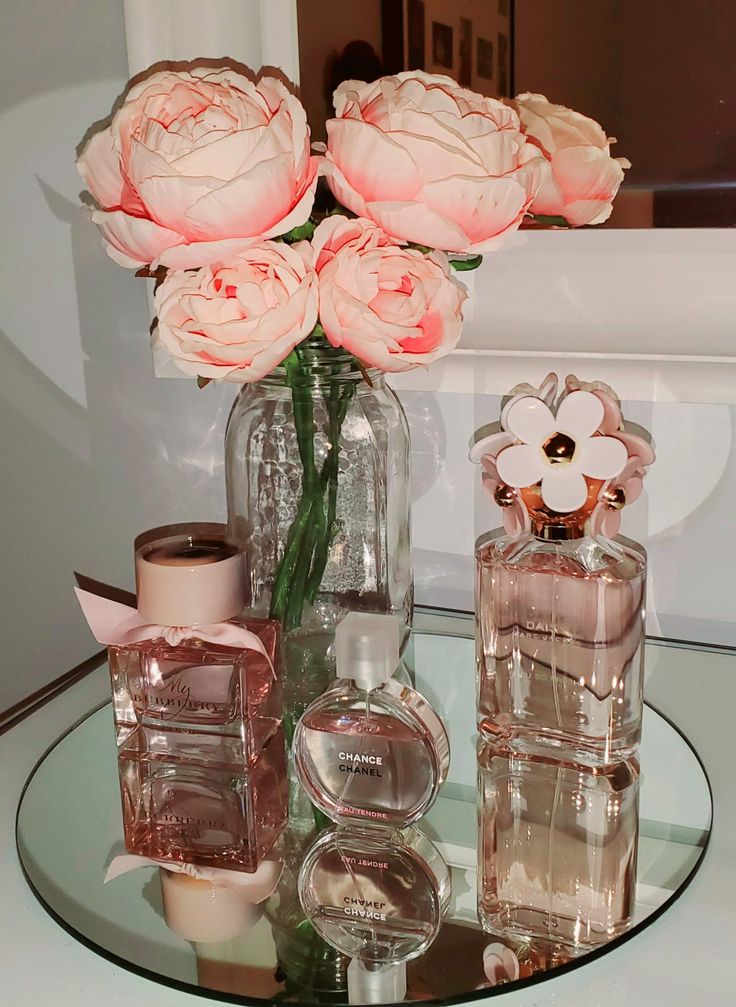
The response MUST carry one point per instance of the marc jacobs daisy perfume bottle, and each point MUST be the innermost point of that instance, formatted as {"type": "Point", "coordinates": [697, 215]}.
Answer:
{"type": "Point", "coordinates": [370, 749]}
{"type": "Point", "coordinates": [557, 849]}
{"type": "Point", "coordinates": [560, 598]}
{"type": "Point", "coordinates": [196, 704]}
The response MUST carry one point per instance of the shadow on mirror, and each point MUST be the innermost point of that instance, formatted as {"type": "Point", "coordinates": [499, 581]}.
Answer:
{"type": "Point", "coordinates": [657, 75]}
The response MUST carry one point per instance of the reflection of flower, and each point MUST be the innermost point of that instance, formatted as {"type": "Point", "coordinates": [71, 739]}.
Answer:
{"type": "Point", "coordinates": [581, 178]}
{"type": "Point", "coordinates": [559, 451]}
{"type": "Point", "coordinates": [500, 964]}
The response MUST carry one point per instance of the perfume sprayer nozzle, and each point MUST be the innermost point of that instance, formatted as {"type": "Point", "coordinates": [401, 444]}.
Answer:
{"type": "Point", "coordinates": [367, 648]}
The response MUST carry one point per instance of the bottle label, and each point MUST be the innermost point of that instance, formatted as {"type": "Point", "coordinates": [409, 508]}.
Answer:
{"type": "Point", "coordinates": [199, 693]}
{"type": "Point", "coordinates": [360, 763]}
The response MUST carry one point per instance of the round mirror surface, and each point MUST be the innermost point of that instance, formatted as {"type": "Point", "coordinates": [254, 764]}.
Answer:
{"type": "Point", "coordinates": [69, 828]}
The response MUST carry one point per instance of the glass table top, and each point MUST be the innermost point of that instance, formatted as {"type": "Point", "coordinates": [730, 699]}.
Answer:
{"type": "Point", "coordinates": [69, 828]}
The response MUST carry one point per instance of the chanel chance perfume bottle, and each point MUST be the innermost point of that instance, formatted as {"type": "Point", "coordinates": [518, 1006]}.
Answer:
{"type": "Point", "coordinates": [370, 749]}
{"type": "Point", "coordinates": [557, 849]}
{"type": "Point", "coordinates": [196, 700]}
{"type": "Point", "coordinates": [378, 896]}
{"type": "Point", "coordinates": [559, 601]}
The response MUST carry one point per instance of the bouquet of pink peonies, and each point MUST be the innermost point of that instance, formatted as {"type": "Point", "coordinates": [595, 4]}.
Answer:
{"type": "Point", "coordinates": [205, 178]}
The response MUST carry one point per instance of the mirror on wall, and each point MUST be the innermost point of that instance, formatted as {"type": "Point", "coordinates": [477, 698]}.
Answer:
{"type": "Point", "coordinates": [658, 74]}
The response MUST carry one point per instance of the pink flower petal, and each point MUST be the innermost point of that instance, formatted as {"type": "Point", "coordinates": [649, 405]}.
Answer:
{"type": "Point", "coordinates": [563, 491]}
{"type": "Point", "coordinates": [201, 253]}
{"type": "Point", "coordinates": [371, 161]}
{"type": "Point", "coordinates": [99, 166]}
{"type": "Point", "coordinates": [580, 414]}
{"type": "Point", "coordinates": [520, 465]}
{"type": "Point", "coordinates": [602, 457]}
{"type": "Point", "coordinates": [529, 419]}
{"type": "Point", "coordinates": [299, 213]}
{"type": "Point", "coordinates": [133, 241]}
{"type": "Point", "coordinates": [249, 205]}
{"type": "Point", "coordinates": [418, 223]}
{"type": "Point", "coordinates": [490, 445]}
{"type": "Point", "coordinates": [487, 209]}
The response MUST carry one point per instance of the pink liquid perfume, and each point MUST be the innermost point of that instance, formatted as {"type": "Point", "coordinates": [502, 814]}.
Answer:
{"type": "Point", "coordinates": [197, 710]}
{"type": "Point", "coordinates": [557, 849]}
{"type": "Point", "coordinates": [559, 602]}
{"type": "Point", "coordinates": [370, 749]}
{"type": "Point", "coordinates": [561, 642]}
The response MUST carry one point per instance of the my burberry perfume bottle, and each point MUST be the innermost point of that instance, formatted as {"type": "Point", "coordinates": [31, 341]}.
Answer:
{"type": "Point", "coordinates": [559, 602]}
{"type": "Point", "coordinates": [196, 700]}
{"type": "Point", "coordinates": [370, 749]}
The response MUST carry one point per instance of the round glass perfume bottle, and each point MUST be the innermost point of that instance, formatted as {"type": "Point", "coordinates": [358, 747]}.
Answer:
{"type": "Point", "coordinates": [376, 896]}
{"type": "Point", "coordinates": [371, 750]}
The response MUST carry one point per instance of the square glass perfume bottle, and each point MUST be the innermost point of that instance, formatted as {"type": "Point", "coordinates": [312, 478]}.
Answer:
{"type": "Point", "coordinates": [557, 848]}
{"type": "Point", "coordinates": [559, 600]}
{"type": "Point", "coordinates": [197, 709]}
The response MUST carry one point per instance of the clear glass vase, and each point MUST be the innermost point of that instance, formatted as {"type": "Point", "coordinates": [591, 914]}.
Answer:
{"type": "Point", "coordinates": [317, 472]}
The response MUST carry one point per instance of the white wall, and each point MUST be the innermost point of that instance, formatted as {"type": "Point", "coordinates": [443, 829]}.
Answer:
{"type": "Point", "coordinates": [92, 448]}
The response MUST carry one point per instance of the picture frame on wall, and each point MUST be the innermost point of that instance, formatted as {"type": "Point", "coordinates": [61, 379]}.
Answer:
{"type": "Point", "coordinates": [416, 34]}
{"type": "Point", "coordinates": [443, 40]}
{"type": "Point", "coordinates": [484, 58]}
{"type": "Point", "coordinates": [465, 52]}
{"type": "Point", "coordinates": [471, 42]}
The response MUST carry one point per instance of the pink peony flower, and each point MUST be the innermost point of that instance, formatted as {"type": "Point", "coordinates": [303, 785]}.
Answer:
{"type": "Point", "coordinates": [431, 162]}
{"type": "Point", "coordinates": [239, 319]}
{"type": "Point", "coordinates": [197, 164]}
{"type": "Point", "coordinates": [581, 178]}
{"type": "Point", "coordinates": [392, 307]}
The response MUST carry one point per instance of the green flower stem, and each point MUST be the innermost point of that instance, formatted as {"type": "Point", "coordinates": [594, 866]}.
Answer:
{"type": "Point", "coordinates": [337, 406]}
{"type": "Point", "coordinates": [306, 553]}
{"type": "Point", "coordinates": [286, 582]}
{"type": "Point", "coordinates": [312, 531]}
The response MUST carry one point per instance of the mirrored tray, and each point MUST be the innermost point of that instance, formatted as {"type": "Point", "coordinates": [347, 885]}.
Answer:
{"type": "Point", "coordinates": [69, 827]}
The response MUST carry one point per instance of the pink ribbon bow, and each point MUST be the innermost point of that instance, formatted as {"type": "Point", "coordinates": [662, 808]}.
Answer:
{"type": "Point", "coordinates": [114, 624]}
{"type": "Point", "coordinates": [252, 888]}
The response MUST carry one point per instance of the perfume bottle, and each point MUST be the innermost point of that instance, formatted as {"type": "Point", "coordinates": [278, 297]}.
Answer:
{"type": "Point", "coordinates": [370, 749]}
{"type": "Point", "coordinates": [376, 896]}
{"type": "Point", "coordinates": [557, 850]}
{"type": "Point", "coordinates": [559, 600]}
{"type": "Point", "coordinates": [196, 703]}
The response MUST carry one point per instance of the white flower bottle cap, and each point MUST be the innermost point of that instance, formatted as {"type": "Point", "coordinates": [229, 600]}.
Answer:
{"type": "Point", "coordinates": [189, 575]}
{"type": "Point", "coordinates": [383, 984]}
{"type": "Point", "coordinates": [367, 648]}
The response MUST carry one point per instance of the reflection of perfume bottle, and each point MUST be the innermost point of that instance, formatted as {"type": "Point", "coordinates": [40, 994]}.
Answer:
{"type": "Point", "coordinates": [370, 749]}
{"type": "Point", "coordinates": [560, 606]}
{"type": "Point", "coordinates": [375, 895]}
{"type": "Point", "coordinates": [558, 845]}
{"type": "Point", "coordinates": [197, 709]}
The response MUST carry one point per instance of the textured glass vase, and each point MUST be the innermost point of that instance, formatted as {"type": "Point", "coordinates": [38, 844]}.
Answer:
{"type": "Point", "coordinates": [317, 471]}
